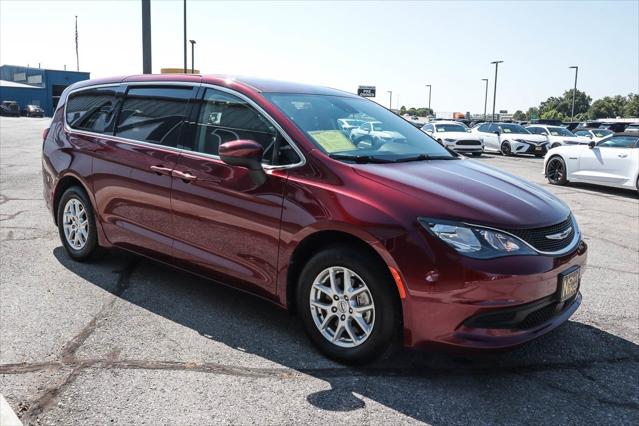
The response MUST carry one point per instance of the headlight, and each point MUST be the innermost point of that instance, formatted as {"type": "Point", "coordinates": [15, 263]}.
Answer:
{"type": "Point", "coordinates": [520, 140]}
{"type": "Point", "coordinates": [475, 241]}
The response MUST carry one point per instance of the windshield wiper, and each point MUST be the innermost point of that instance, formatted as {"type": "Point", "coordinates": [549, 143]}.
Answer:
{"type": "Point", "coordinates": [360, 159]}
{"type": "Point", "coordinates": [422, 157]}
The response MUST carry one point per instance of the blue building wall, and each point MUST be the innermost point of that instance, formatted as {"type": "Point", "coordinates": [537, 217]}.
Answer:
{"type": "Point", "coordinates": [47, 85]}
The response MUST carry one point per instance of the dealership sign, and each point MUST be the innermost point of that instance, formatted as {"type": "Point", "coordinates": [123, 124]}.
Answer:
{"type": "Point", "coordinates": [366, 91]}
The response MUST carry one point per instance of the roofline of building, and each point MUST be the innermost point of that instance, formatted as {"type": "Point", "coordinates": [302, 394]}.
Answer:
{"type": "Point", "coordinates": [44, 69]}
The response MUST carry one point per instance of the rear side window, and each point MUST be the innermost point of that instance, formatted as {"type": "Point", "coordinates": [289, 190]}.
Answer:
{"type": "Point", "coordinates": [484, 127]}
{"type": "Point", "coordinates": [224, 117]}
{"type": "Point", "coordinates": [619, 142]}
{"type": "Point", "coordinates": [154, 114]}
{"type": "Point", "coordinates": [92, 110]}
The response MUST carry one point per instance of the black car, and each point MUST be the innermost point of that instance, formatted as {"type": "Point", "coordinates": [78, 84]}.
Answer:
{"type": "Point", "coordinates": [9, 109]}
{"type": "Point", "coordinates": [32, 111]}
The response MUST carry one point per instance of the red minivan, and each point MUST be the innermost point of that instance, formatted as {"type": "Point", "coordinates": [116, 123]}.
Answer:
{"type": "Point", "coordinates": [370, 232]}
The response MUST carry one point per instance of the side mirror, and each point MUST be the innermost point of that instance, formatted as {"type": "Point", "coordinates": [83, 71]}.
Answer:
{"type": "Point", "coordinates": [591, 144]}
{"type": "Point", "coordinates": [497, 132]}
{"type": "Point", "coordinates": [245, 153]}
{"type": "Point", "coordinates": [429, 131]}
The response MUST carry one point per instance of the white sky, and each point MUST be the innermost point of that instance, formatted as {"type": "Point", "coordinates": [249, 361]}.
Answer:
{"type": "Point", "coordinates": [398, 46]}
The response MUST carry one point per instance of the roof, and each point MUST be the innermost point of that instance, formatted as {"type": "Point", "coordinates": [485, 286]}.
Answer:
{"type": "Point", "coordinates": [250, 83]}
{"type": "Point", "coordinates": [7, 83]}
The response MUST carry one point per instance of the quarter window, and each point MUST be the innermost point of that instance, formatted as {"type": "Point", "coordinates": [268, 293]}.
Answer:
{"type": "Point", "coordinates": [619, 142]}
{"type": "Point", "coordinates": [224, 117]}
{"type": "Point", "coordinates": [154, 114]}
{"type": "Point", "coordinates": [92, 110]}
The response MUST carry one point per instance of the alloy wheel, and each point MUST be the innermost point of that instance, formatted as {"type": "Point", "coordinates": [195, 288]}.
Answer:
{"type": "Point", "coordinates": [342, 307]}
{"type": "Point", "coordinates": [75, 223]}
{"type": "Point", "coordinates": [505, 149]}
{"type": "Point", "coordinates": [555, 170]}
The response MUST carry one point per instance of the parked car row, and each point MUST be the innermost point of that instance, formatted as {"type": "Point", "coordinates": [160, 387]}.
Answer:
{"type": "Point", "coordinates": [12, 109]}
{"type": "Point", "coordinates": [371, 232]}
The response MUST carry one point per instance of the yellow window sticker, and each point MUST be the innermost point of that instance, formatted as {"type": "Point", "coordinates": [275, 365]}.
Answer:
{"type": "Point", "coordinates": [332, 140]}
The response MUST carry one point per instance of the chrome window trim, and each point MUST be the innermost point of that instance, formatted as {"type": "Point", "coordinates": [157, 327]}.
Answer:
{"type": "Point", "coordinates": [181, 150]}
{"type": "Point", "coordinates": [575, 239]}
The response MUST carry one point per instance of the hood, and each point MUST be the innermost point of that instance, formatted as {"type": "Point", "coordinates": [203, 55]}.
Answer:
{"type": "Point", "coordinates": [576, 139]}
{"type": "Point", "coordinates": [470, 191]}
{"type": "Point", "coordinates": [529, 138]}
{"type": "Point", "coordinates": [457, 136]}
{"type": "Point", "coordinates": [388, 134]}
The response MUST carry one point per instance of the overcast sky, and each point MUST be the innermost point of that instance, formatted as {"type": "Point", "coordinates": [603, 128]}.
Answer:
{"type": "Point", "coordinates": [398, 46]}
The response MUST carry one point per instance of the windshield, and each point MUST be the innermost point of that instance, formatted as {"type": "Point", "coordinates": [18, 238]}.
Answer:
{"type": "Point", "coordinates": [600, 133]}
{"type": "Point", "coordinates": [450, 128]}
{"type": "Point", "coordinates": [513, 128]}
{"type": "Point", "coordinates": [560, 131]}
{"type": "Point", "coordinates": [383, 136]}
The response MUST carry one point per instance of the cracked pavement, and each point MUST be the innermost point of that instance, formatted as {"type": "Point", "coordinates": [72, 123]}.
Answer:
{"type": "Point", "coordinates": [125, 340]}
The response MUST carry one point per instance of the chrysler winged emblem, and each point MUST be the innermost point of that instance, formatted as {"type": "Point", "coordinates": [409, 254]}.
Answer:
{"type": "Point", "coordinates": [560, 235]}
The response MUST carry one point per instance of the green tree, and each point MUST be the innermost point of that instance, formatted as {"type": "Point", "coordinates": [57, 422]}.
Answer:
{"type": "Point", "coordinates": [553, 114]}
{"type": "Point", "coordinates": [402, 110]}
{"type": "Point", "coordinates": [563, 104]}
{"type": "Point", "coordinates": [608, 107]}
{"type": "Point", "coordinates": [631, 109]}
{"type": "Point", "coordinates": [532, 111]}
{"type": "Point", "coordinates": [519, 115]}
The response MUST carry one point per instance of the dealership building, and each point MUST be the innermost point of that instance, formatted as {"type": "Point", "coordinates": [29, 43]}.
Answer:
{"type": "Point", "coordinates": [36, 86]}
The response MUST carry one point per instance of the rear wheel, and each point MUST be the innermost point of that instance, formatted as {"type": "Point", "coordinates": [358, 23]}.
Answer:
{"type": "Point", "coordinates": [476, 154]}
{"type": "Point", "coordinates": [556, 171]}
{"type": "Point", "coordinates": [348, 304]}
{"type": "Point", "coordinates": [506, 149]}
{"type": "Point", "coordinates": [76, 224]}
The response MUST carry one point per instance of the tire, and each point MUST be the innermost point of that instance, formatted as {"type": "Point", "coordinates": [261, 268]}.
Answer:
{"type": "Point", "coordinates": [354, 345]}
{"type": "Point", "coordinates": [80, 246]}
{"type": "Point", "coordinates": [556, 171]}
{"type": "Point", "coordinates": [476, 154]}
{"type": "Point", "coordinates": [506, 150]}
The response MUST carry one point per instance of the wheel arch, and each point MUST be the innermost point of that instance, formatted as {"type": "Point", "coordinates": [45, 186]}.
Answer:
{"type": "Point", "coordinates": [322, 239]}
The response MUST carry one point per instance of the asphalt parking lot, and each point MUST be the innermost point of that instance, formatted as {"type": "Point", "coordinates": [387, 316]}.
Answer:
{"type": "Point", "coordinates": [127, 341]}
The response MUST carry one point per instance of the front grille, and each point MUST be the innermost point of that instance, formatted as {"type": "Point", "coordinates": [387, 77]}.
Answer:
{"type": "Point", "coordinates": [468, 143]}
{"type": "Point", "coordinates": [536, 237]}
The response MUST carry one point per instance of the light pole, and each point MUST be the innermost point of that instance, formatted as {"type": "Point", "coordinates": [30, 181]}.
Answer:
{"type": "Point", "coordinates": [390, 101]}
{"type": "Point", "coordinates": [574, 92]}
{"type": "Point", "coordinates": [146, 37]}
{"type": "Point", "coordinates": [192, 56]}
{"type": "Point", "coordinates": [495, 92]}
{"type": "Point", "coordinates": [430, 88]}
{"type": "Point", "coordinates": [184, 36]}
{"type": "Point", "coordinates": [485, 97]}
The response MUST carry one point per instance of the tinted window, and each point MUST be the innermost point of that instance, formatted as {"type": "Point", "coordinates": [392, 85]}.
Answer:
{"type": "Point", "coordinates": [92, 110]}
{"type": "Point", "coordinates": [154, 114]}
{"type": "Point", "coordinates": [513, 128]}
{"type": "Point", "coordinates": [450, 128]}
{"type": "Point", "coordinates": [601, 133]}
{"type": "Point", "coordinates": [536, 130]}
{"type": "Point", "coordinates": [583, 133]}
{"type": "Point", "coordinates": [619, 142]}
{"type": "Point", "coordinates": [484, 127]}
{"type": "Point", "coordinates": [224, 117]}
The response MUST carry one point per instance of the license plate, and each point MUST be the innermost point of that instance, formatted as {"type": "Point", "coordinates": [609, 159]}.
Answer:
{"type": "Point", "coordinates": [537, 148]}
{"type": "Point", "coordinates": [568, 284]}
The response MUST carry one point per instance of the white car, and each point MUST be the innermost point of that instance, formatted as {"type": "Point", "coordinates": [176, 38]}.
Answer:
{"type": "Point", "coordinates": [593, 134]}
{"type": "Point", "coordinates": [511, 139]}
{"type": "Point", "coordinates": [613, 161]}
{"type": "Point", "coordinates": [455, 136]}
{"type": "Point", "coordinates": [348, 124]}
{"type": "Point", "coordinates": [557, 135]}
{"type": "Point", "coordinates": [372, 135]}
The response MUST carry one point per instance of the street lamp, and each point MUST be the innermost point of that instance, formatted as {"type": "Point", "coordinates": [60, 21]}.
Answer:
{"type": "Point", "coordinates": [390, 101]}
{"type": "Point", "coordinates": [485, 97]}
{"type": "Point", "coordinates": [495, 92]}
{"type": "Point", "coordinates": [430, 88]}
{"type": "Point", "coordinates": [185, 37]}
{"type": "Point", "coordinates": [574, 92]}
{"type": "Point", "coordinates": [192, 56]}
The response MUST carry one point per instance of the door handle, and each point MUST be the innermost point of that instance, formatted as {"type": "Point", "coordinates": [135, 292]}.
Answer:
{"type": "Point", "coordinates": [160, 170]}
{"type": "Point", "coordinates": [622, 155]}
{"type": "Point", "coordinates": [185, 176]}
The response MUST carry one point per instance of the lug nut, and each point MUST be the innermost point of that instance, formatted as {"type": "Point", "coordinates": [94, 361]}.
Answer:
{"type": "Point", "coordinates": [350, 311]}
{"type": "Point", "coordinates": [343, 317]}
{"type": "Point", "coordinates": [334, 309]}
{"type": "Point", "coordinates": [345, 297]}
{"type": "Point", "coordinates": [336, 297]}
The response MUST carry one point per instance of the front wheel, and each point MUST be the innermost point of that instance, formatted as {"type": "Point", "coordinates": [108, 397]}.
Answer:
{"type": "Point", "coordinates": [348, 304]}
{"type": "Point", "coordinates": [556, 171]}
{"type": "Point", "coordinates": [476, 154]}
{"type": "Point", "coordinates": [76, 224]}
{"type": "Point", "coordinates": [506, 149]}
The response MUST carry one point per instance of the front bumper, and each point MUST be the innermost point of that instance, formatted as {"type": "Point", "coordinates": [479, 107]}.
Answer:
{"type": "Point", "coordinates": [529, 148]}
{"type": "Point", "coordinates": [491, 310]}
